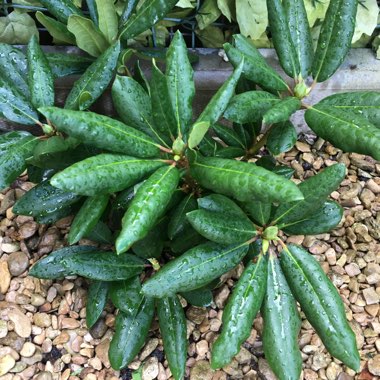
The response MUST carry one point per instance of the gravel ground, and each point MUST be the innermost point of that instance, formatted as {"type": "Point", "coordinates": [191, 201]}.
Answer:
{"type": "Point", "coordinates": [43, 333]}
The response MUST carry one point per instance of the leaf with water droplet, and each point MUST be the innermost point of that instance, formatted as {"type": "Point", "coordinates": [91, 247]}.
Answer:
{"type": "Point", "coordinates": [126, 295]}
{"type": "Point", "coordinates": [96, 301]}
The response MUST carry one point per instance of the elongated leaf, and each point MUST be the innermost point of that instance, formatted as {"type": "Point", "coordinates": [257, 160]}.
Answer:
{"type": "Point", "coordinates": [315, 190]}
{"type": "Point", "coordinates": [228, 135]}
{"type": "Point", "coordinates": [348, 131]}
{"type": "Point", "coordinates": [43, 199]}
{"type": "Point", "coordinates": [104, 173]}
{"type": "Point", "coordinates": [281, 138]}
{"type": "Point", "coordinates": [220, 203]}
{"type": "Point", "coordinates": [208, 146]}
{"type": "Point", "coordinates": [95, 79]}
{"type": "Point", "coordinates": [300, 33]}
{"type": "Point", "coordinates": [87, 217]}
{"type": "Point", "coordinates": [230, 152]}
{"type": "Point", "coordinates": [101, 233]}
{"type": "Point", "coordinates": [67, 64]}
{"type": "Point", "coordinates": [221, 228]}
{"type": "Point", "coordinates": [96, 301]}
{"type": "Point", "coordinates": [13, 67]}
{"type": "Point", "coordinates": [54, 216]}
{"type": "Point", "coordinates": [240, 312]}
{"type": "Point", "coordinates": [258, 211]}
{"type": "Point", "coordinates": [107, 18]}
{"type": "Point", "coordinates": [174, 334]}
{"type": "Point", "coordinates": [11, 139]}
{"type": "Point", "coordinates": [187, 240]}
{"type": "Point", "coordinates": [282, 39]}
{"type": "Point", "coordinates": [201, 297]}
{"type": "Point", "coordinates": [255, 68]}
{"type": "Point", "coordinates": [321, 221]}
{"type": "Point", "coordinates": [133, 105]}
{"type": "Point", "coordinates": [139, 77]}
{"type": "Point", "coordinates": [101, 131]}
{"type": "Point", "coordinates": [103, 266]}
{"type": "Point", "coordinates": [128, 10]}
{"type": "Point", "coordinates": [281, 111]}
{"type": "Point", "coordinates": [148, 14]}
{"type": "Point", "coordinates": [130, 334]}
{"type": "Point", "coordinates": [87, 35]}
{"type": "Point", "coordinates": [250, 106]}
{"type": "Point", "coordinates": [50, 267]}
{"type": "Point", "coordinates": [61, 9]}
{"type": "Point", "coordinates": [147, 207]}
{"type": "Point", "coordinates": [162, 108]}
{"type": "Point", "coordinates": [13, 161]}
{"type": "Point", "coordinates": [216, 107]}
{"type": "Point", "coordinates": [281, 325]}
{"type": "Point", "coordinates": [55, 144]}
{"type": "Point", "coordinates": [321, 303]}
{"type": "Point", "coordinates": [178, 220]}
{"type": "Point", "coordinates": [243, 181]}
{"type": "Point", "coordinates": [335, 38]}
{"type": "Point", "coordinates": [56, 29]}
{"type": "Point", "coordinates": [41, 82]}
{"type": "Point", "coordinates": [179, 75]}
{"type": "Point", "coordinates": [126, 295]}
{"type": "Point", "coordinates": [363, 103]}
{"type": "Point", "coordinates": [92, 9]}
{"type": "Point", "coordinates": [195, 268]}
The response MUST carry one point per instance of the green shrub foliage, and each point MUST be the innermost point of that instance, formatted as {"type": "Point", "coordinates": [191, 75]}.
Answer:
{"type": "Point", "coordinates": [175, 202]}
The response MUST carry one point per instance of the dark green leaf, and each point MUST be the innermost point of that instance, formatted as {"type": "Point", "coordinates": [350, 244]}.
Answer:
{"type": "Point", "coordinates": [321, 303]}
{"type": "Point", "coordinates": [61, 9]}
{"type": "Point", "coordinates": [139, 76]}
{"type": "Point", "coordinates": [346, 130]}
{"type": "Point", "coordinates": [282, 38]}
{"type": "Point", "coordinates": [255, 249]}
{"type": "Point", "coordinates": [101, 132]}
{"type": "Point", "coordinates": [195, 268]}
{"type": "Point", "coordinates": [230, 152]}
{"type": "Point", "coordinates": [91, 5]}
{"type": "Point", "coordinates": [95, 79]}
{"type": "Point", "coordinates": [11, 139]}
{"type": "Point", "coordinates": [126, 295]}
{"type": "Point", "coordinates": [228, 135]}
{"type": "Point", "coordinates": [335, 38]}
{"type": "Point", "coordinates": [188, 239]}
{"type": "Point", "coordinates": [240, 312]}
{"type": "Point", "coordinates": [130, 334]}
{"type": "Point", "coordinates": [281, 111]}
{"type": "Point", "coordinates": [96, 301]}
{"type": "Point", "coordinates": [259, 212]}
{"type": "Point", "coordinates": [67, 64]}
{"type": "Point", "coordinates": [220, 203]}
{"type": "Point", "coordinates": [281, 138]}
{"type": "Point", "coordinates": [284, 171]}
{"type": "Point", "coordinates": [54, 216]}
{"type": "Point", "coordinates": [243, 181]}
{"type": "Point", "coordinates": [282, 325]}
{"type": "Point", "coordinates": [100, 234]}
{"type": "Point", "coordinates": [103, 266]}
{"type": "Point", "coordinates": [128, 10]}
{"type": "Point", "coordinates": [147, 207]}
{"type": "Point", "coordinates": [173, 329]}
{"type": "Point", "coordinates": [201, 297]}
{"type": "Point", "coordinates": [55, 144]}
{"type": "Point", "coordinates": [208, 146]}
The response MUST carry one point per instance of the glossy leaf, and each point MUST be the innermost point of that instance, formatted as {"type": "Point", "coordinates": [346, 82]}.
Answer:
{"type": "Point", "coordinates": [281, 138]}
{"type": "Point", "coordinates": [258, 211]}
{"type": "Point", "coordinates": [195, 268]}
{"type": "Point", "coordinates": [230, 152]}
{"type": "Point", "coordinates": [197, 133]}
{"type": "Point", "coordinates": [335, 38]}
{"type": "Point", "coordinates": [315, 190]}
{"type": "Point", "coordinates": [348, 131]}
{"type": "Point", "coordinates": [101, 131]}
{"type": "Point", "coordinates": [363, 103]}
{"type": "Point", "coordinates": [103, 266]}
{"type": "Point", "coordinates": [243, 181]}
{"type": "Point", "coordinates": [50, 267]}
{"type": "Point", "coordinates": [321, 221]}
{"type": "Point", "coordinates": [173, 328]}
{"type": "Point", "coordinates": [104, 173]}
{"type": "Point", "coordinates": [41, 82]}
{"type": "Point", "coordinates": [239, 313]}
{"type": "Point", "coordinates": [101, 233]}
{"type": "Point", "coordinates": [148, 14]}
{"type": "Point", "coordinates": [201, 297]}
{"type": "Point", "coordinates": [255, 67]}
{"type": "Point", "coordinates": [321, 303]}
{"type": "Point", "coordinates": [282, 39]}
{"type": "Point", "coordinates": [281, 111]}
{"type": "Point", "coordinates": [56, 29]}
{"type": "Point", "coordinates": [147, 207]}
{"type": "Point", "coordinates": [61, 9]}
{"type": "Point", "coordinates": [55, 144]}
{"type": "Point", "coordinates": [11, 139]}
{"type": "Point", "coordinates": [139, 76]}
{"type": "Point", "coordinates": [220, 203]}
{"type": "Point", "coordinates": [13, 161]}
{"type": "Point", "coordinates": [92, 9]}
{"type": "Point", "coordinates": [208, 146]}
{"type": "Point", "coordinates": [228, 135]}
{"type": "Point", "coordinates": [216, 107]}
{"type": "Point", "coordinates": [95, 79]}
{"type": "Point", "coordinates": [179, 75]}
{"type": "Point", "coordinates": [130, 334]}
{"type": "Point", "coordinates": [107, 19]}
{"type": "Point", "coordinates": [250, 106]}
{"type": "Point", "coordinates": [87, 217]}
{"type": "Point", "coordinates": [133, 105]}
{"type": "Point", "coordinates": [300, 33]}
{"type": "Point", "coordinates": [43, 199]}
{"type": "Point", "coordinates": [96, 301]}
{"type": "Point", "coordinates": [54, 216]}
{"type": "Point", "coordinates": [67, 64]}
{"type": "Point", "coordinates": [187, 240]}
{"type": "Point", "coordinates": [282, 325]}
{"type": "Point", "coordinates": [178, 221]}
{"type": "Point", "coordinates": [126, 295]}
{"type": "Point", "coordinates": [221, 228]}
{"type": "Point", "coordinates": [128, 10]}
